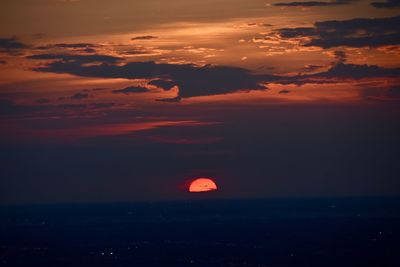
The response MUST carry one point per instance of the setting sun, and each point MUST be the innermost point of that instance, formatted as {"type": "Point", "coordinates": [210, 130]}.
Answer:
{"type": "Point", "coordinates": [202, 185]}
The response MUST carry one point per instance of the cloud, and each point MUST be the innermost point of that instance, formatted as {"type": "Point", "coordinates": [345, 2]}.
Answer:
{"type": "Point", "coordinates": [340, 56]}
{"type": "Point", "coordinates": [387, 4]}
{"type": "Point", "coordinates": [341, 71]}
{"type": "Point", "coordinates": [258, 24]}
{"type": "Point", "coordinates": [131, 89]}
{"type": "Point", "coordinates": [212, 80]}
{"type": "Point", "coordinates": [80, 96]}
{"type": "Point", "coordinates": [144, 37]}
{"type": "Point", "coordinates": [315, 3]}
{"type": "Point", "coordinates": [170, 100]}
{"type": "Point", "coordinates": [3, 62]}
{"type": "Point", "coordinates": [80, 59]}
{"type": "Point", "coordinates": [164, 84]}
{"type": "Point", "coordinates": [135, 51]}
{"type": "Point", "coordinates": [192, 80]}
{"type": "Point", "coordinates": [76, 47]}
{"type": "Point", "coordinates": [379, 93]}
{"type": "Point", "coordinates": [67, 45]}
{"type": "Point", "coordinates": [359, 32]}
{"type": "Point", "coordinates": [353, 71]}
{"type": "Point", "coordinates": [11, 45]}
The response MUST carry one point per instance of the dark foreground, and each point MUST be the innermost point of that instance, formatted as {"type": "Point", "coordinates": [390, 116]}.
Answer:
{"type": "Point", "coordinates": [296, 232]}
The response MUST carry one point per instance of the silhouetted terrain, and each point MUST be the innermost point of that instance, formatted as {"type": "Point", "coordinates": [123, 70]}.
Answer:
{"type": "Point", "coordinates": [280, 232]}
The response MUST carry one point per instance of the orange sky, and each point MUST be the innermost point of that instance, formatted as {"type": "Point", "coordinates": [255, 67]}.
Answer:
{"type": "Point", "coordinates": [233, 33]}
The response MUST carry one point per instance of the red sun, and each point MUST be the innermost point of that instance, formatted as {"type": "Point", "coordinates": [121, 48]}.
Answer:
{"type": "Point", "coordinates": [202, 185]}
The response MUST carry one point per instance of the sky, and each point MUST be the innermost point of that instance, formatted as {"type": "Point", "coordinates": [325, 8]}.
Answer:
{"type": "Point", "coordinates": [108, 101]}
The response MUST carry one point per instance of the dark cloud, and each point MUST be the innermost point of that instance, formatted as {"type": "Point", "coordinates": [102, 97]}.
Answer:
{"type": "Point", "coordinates": [298, 32]}
{"type": "Point", "coordinates": [80, 59]}
{"type": "Point", "coordinates": [259, 24]}
{"type": "Point", "coordinates": [284, 92]}
{"type": "Point", "coordinates": [194, 81]}
{"type": "Point", "coordinates": [338, 71]}
{"type": "Point", "coordinates": [75, 45]}
{"type": "Point", "coordinates": [164, 84]}
{"type": "Point", "coordinates": [341, 71]}
{"type": "Point", "coordinates": [170, 100]}
{"type": "Point", "coordinates": [340, 56]}
{"type": "Point", "coordinates": [315, 3]}
{"type": "Point", "coordinates": [131, 89]}
{"type": "Point", "coordinates": [381, 93]}
{"type": "Point", "coordinates": [211, 80]}
{"type": "Point", "coordinates": [357, 32]}
{"type": "Point", "coordinates": [387, 4]}
{"type": "Point", "coordinates": [2, 62]}
{"type": "Point", "coordinates": [11, 45]}
{"type": "Point", "coordinates": [144, 37]}
{"type": "Point", "coordinates": [80, 96]}
{"type": "Point", "coordinates": [353, 71]}
{"type": "Point", "coordinates": [191, 80]}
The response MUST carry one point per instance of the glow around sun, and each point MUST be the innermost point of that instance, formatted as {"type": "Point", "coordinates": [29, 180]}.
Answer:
{"type": "Point", "coordinates": [202, 185]}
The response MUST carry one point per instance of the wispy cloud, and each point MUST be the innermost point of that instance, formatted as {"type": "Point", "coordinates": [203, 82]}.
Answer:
{"type": "Point", "coordinates": [143, 37]}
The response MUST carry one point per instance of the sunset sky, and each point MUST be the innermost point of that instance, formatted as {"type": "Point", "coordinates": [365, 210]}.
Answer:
{"type": "Point", "coordinates": [127, 100]}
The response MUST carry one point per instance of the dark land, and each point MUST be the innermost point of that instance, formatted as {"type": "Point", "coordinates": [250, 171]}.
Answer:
{"type": "Point", "coordinates": [271, 232]}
